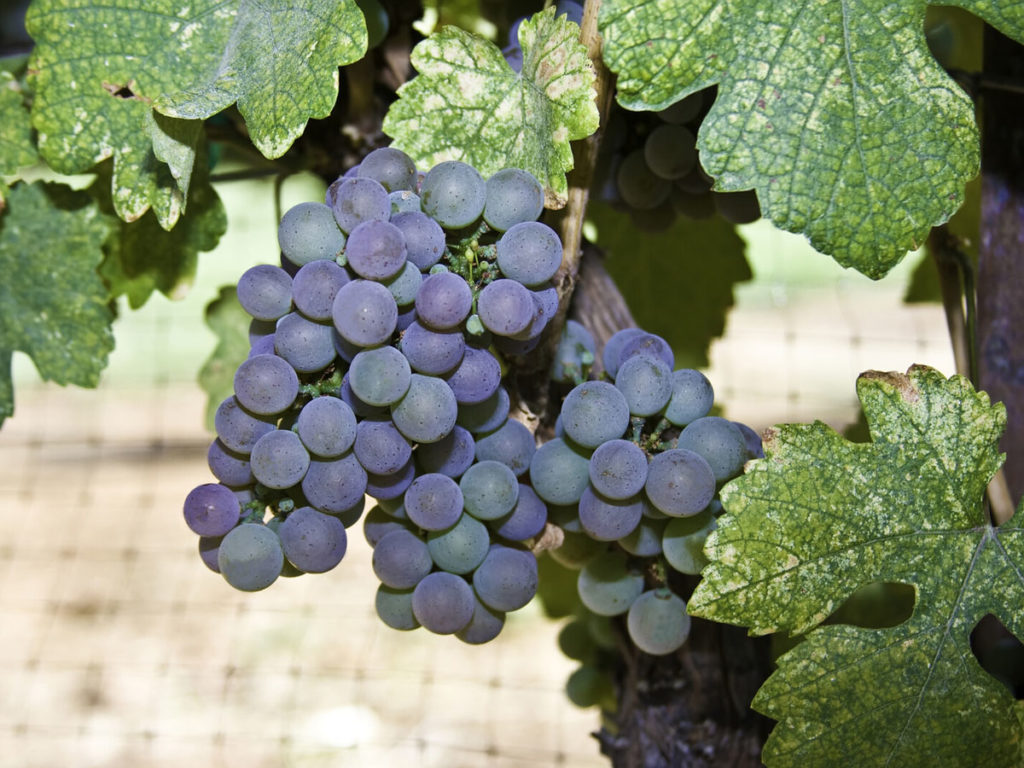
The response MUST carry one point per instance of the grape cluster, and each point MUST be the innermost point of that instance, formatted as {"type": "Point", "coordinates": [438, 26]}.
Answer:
{"type": "Point", "coordinates": [632, 478]}
{"type": "Point", "coordinates": [648, 165]}
{"type": "Point", "coordinates": [372, 372]}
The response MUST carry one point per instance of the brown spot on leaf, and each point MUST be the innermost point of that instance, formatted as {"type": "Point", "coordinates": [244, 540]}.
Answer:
{"type": "Point", "coordinates": [761, 104]}
{"type": "Point", "coordinates": [899, 381]}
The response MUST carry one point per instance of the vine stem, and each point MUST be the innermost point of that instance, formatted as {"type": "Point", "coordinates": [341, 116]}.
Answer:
{"type": "Point", "coordinates": [585, 159]}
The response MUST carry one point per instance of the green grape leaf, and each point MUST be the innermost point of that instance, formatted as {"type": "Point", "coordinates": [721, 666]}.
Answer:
{"type": "Point", "coordinates": [230, 323]}
{"type": "Point", "coordinates": [53, 305]}
{"type": "Point", "coordinates": [278, 61]}
{"type": "Point", "coordinates": [16, 146]}
{"type": "Point", "coordinates": [142, 257]}
{"type": "Point", "coordinates": [653, 270]}
{"type": "Point", "coordinates": [468, 104]}
{"type": "Point", "coordinates": [834, 112]}
{"type": "Point", "coordinates": [99, 70]}
{"type": "Point", "coordinates": [818, 518]}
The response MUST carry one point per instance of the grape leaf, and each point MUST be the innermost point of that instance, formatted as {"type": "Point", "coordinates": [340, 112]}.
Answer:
{"type": "Point", "coordinates": [819, 517]}
{"type": "Point", "coordinates": [16, 146]}
{"type": "Point", "coordinates": [99, 70]}
{"type": "Point", "coordinates": [278, 60]}
{"type": "Point", "coordinates": [230, 323]}
{"type": "Point", "coordinates": [653, 272]}
{"type": "Point", "coordinates": [143, 257]}
{"type": "Point", "coordinates": [53, 305]}
{"type": "Point", "coordinates": [468, 104]}
{"type": "Point", "coordinates": [834, 111]}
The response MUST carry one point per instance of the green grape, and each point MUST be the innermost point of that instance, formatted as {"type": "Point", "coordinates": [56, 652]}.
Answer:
{"type": "Point", "coordinates": [608, 585]}
{"type": "Point", "coordinates": [590, 687]}
{"type": "Point", "coordinates": [657, 622]}
{"type": "Point", "coordinates": [683, 541]}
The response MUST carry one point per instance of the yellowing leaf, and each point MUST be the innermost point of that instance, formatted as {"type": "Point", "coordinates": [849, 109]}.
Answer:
{"type": "Point", "coordinates": [833, 110]}
{"type": "Point", "coordinates": [819, 517]}
{"type": "Point", "coordinates": [468, 104]}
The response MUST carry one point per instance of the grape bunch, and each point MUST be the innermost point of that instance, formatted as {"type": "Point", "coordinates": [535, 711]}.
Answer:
{"type": "Point", "coordinates": [632, 478]}
{"type": "Point", "coordinates": [373, 372]}
{"type": "Point", "coordinates": [648, 165]}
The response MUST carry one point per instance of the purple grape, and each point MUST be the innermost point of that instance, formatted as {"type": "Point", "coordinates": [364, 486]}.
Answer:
{"type": "Point", "coordinates": [424, 238]}
{"type": "Point", "coordinates": [609, 519]}
{"type": "Point", "coordinates": [451, 455]}
{"type": "Point", "coordinates": [308, 232]}
{"type": "Point", "coordinates": [380, 376]}
{"type": "Point", "coordinates": [507, 578]}
{"type": "Point", "coordinates": [505, 307]}
{"type": "Point", "coordinates": [428, 410]}
{"type": "Point", "coordinates": [527, 518]}
{"type": "Point", "coordinates": [238, 429]}
{"type": "Point", "coordinates": [647, 344]}
{"type": "Point", "coordinates": [391, 487]}
{"type": "Point", "coordinates": [401, 559]}
{"type": "Point", "coordinates": [432, 352]}
{"type": "Point", "coordinates": [444, 301]}
{"type": "Point", "coordinates": [265, 292]}
{"type": "Point", "coordinates": [326, 426]}
{"type": "Point", "coordinates": [391, 167]}
{"type": "Point", "coordinates": [530, 252]}
{"type": "Point", "coordinates": [312, 541]}
{"type": "Point", "coordinates": [355, 200]}
{"type": "Point", "coordinates": [485, 625]}
{"type": "Point", "coordinates": [212, 509]}
{"type": "Point", "coordinates": [365, 313]}
{"type": "Point", "coordinates": [250, 557]}
{"type": "Point", "coordinates": [314, 287]}
{"type": "Point", "coordinates": [376, 250]}
{"type": "Point", "coordinates": [680, 482]}
{"type": "Point", "coordinates": [279, 459]}
{"type": "Point", "coordinates": [486, 416]}
{"type": "Point", "coordinates": [453, 193]}
{"type": "Point", "coordinates": [512, 444]}
{"type": "Point", "coordinates": [333, 486]}
{"type": "Point", "coordinates": [476, 378]}
{"type": "Point", "coordinates": [381, 448]}
{"type": "Point", "coordinates": [232, 469]}
{"type": "Point", "coordinates": [434, 502]}
{"type": "Point", "coordinates": [266, 385]}
{"type": "Point", "coordinates": [443, 603]}
{"type": "Point", "coordinates": [618, 469]}
{"type": "Point", "coordinates": [307, 346]}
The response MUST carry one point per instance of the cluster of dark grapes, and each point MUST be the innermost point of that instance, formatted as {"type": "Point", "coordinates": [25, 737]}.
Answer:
{"type": "Point", "coordinates": [648, 165]}
{"type": "Point", "coordinates": [632, 479]}
{"type": "Point", "coordinates": [371, 373]}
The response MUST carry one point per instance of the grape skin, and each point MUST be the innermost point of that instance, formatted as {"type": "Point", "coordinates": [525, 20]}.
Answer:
{"type": "Point", "coordinates": [607, 586]}
{"type": "Point", "coordinates": [401, 559]}
{"type": "Point", "coordinates": [211, 509]}
{"type": "Point", "coordinates": [279, 459]}
{"type": "Point", "coordinates": [658, 623]}
{"type": "Point", "coordinates": [443, 603]}
{"type": "Point", "coordinates": [312, 541]}
{"type": "Point", "coordinates": [250, 557]}
{"type": "Point", "coordinates": [507, 578]}
{"type": "Point", "coordinates": [594, 412]}
{"type": "Point", "coordinates": [460, 548]}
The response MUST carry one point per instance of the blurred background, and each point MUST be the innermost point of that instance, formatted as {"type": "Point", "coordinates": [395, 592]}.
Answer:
{"type": "Point", "coordinates": [121, 649]}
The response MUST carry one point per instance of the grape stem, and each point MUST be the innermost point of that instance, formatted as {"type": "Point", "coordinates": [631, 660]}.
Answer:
{"type": "Point", "coordinates": [585, 156]}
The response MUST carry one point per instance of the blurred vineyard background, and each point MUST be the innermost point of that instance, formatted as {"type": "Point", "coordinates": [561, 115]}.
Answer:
{"type": "Point", "coordinates": [121, 649]}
